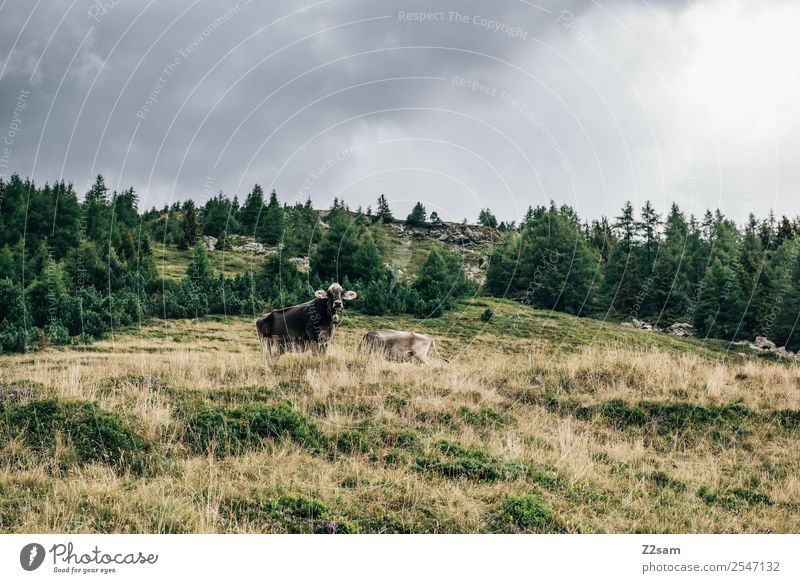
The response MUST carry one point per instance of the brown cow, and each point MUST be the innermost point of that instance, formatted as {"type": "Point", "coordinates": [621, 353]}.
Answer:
{"type": "Point", "coordinates": [400, 345]}
{"type": "Point", "coordinates": [308, 325]}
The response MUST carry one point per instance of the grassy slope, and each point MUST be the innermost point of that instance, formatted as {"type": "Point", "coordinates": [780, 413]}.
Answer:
{"type": "Point", "coordinates": [542, 422]}
{"type": "Point", "coordinates": [172, 262]}
{"type": "Point", "coordinates": [401, 254]}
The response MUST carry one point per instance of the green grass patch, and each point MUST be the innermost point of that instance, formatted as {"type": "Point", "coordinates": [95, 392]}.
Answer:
{"type": "Point", "coordinates": [455, 462]}
{"type": "Point", "coordinates": [290, 513]}
{"type": "Point", "coordinates": [527, 513]}
{"type": "Point", "coordinates": [737, 500]}
{"type": "Point", "coordinates": [231, 430]}
{"type": "Point", "coordinates": [81, 431]}
{"type": "Point", "coordinates": [485, 418]}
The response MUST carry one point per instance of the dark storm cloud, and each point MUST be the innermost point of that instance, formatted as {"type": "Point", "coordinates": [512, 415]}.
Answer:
{"type": "Point", "coordinates": [459, 104]}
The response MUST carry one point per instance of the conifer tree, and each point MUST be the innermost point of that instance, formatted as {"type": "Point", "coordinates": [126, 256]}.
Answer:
{"type": "Point", "coordinates": [189, 225]}
{"type": "Point", "coordinates": [270, 224]}
{"type": "Point", "coordinates": [251, 210]}
{"type": "Point", "coordinates": [418, 216]}
{"type": "Point", "coordinates": [383, 212]}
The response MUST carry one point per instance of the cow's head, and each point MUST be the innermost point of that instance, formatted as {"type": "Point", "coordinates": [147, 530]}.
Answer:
{"type": "Point", "coordinates": [335, 296]}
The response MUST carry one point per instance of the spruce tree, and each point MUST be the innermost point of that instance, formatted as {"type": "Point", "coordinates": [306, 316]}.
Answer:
{"type": "Point", "coordinates": [97, 211]}
{"type": "Point", "coordinates": [754, 280]}
{"type": "Point", "coordinates": [504, 262]}
{"type": "Point", "coordinates": [648, 227]}
{"type": "Point", "coordinates": [487, 219]}
{"type": "Point", "coordinates": [668, 293]}
{"type": "Point", "coordinates": [251, 210]}
{"type": "Point", "coordinates": [418, 216]}
{"type": "Point", "coordinates": [557, 268]}
{"type": "Point", "coordinates": [189, 225]}
{"type": "Point", "coordinates": [720, 307]}
{"type": "Point", "coordinates": [270, 225]}
{"type": "Point", "coordinates": [384, 213]}
{"type": "Point", "coordinates": [622, 282]}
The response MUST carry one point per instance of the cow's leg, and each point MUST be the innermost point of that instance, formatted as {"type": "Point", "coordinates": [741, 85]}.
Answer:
{"type": "Point", "coordinates": [422, 355]}
{"type": "Point", "coordinates": [271, 346]}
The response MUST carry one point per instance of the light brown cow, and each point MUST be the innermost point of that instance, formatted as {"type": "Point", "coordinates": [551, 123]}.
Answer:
{"type": "Point", "coordinates": [400, 345]}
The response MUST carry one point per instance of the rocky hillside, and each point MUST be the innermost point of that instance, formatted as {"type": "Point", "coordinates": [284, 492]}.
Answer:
{"type": "Point", "coordinates": [407, 247]}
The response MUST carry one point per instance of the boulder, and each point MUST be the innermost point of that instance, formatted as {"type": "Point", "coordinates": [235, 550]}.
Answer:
{"type": "Point", "coordinates": [210, 242]}
{"type": "Point", "coordinates": [763, 344]}
{"type": "Point", "coordinates": [681, 329]}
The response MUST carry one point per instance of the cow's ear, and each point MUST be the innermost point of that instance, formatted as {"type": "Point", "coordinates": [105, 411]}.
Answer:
{"type": "Point", "coordinates": [350, 295]}
{"type": "Point", "coordinates": [321, 294]}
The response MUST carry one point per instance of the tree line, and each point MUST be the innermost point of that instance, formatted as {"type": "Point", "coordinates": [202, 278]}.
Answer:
{"type": "Point", "coordinates": [73, 270]}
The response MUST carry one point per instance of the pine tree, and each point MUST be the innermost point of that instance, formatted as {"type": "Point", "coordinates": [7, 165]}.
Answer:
{"type": "Point", "coordinates": [384, 213]}
{"type": "Point", "coordinates": [648, 226]}
{"type": "Point", "coordinates": [270, 225]}
{"type": "Point", "coordinates": [627, 226]}
{"type": "Point", "coordinates": [301, 230]}
{"type": "Point", "coordinates": [720, 308]}
{"type": "Point", "coordinates": [346, 251]}
{"type": "Point", "coordinates": [754, 280]}
{"type": "Point", "coordinates": [781, 323]}
{"type": "Point", "coordinates": [557, 267]}
{"type": "Point", "coordinates": [487, 219]}
{"type": "Point", "coordinates": [418, 216]}
{"type": "Point", "coordinates": [97, 211]}
{"type": "Point", "coordinates": [601, 238]}
{"type": "Point", "coordinates": [189, 225]}
{"type": "Point", "coordinates": [219, 217]}
{"type": "Point", "coordinates": [668, 293]}
{"type": "Point", "coordinates": [251, 210]}
{"type": "Point", "coordinates": [504, 261]}
{"type": "Point", "coordinates": [432, 281]}
{"type": "Point", "coordinates": [199, 270]}
{"type": "Point", "coordinates": [622, 282]}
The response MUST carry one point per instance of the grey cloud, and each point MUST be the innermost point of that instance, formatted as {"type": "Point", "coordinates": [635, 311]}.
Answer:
{"type": "Point", "coordinates": [348, 99]}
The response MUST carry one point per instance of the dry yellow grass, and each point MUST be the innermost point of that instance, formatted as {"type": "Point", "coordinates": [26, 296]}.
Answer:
{"type": "Point", "coordinates": [701, 445]}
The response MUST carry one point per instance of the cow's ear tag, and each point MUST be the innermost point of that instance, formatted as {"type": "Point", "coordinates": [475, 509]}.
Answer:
{"type": "Point", "coordinates": [321, 294]}
{"type": "Point", "coordinates": [350, 295]}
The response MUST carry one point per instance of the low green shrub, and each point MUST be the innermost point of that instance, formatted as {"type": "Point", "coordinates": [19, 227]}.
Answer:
{"type": "Point", "coordinates": [94, 435]}
{"type": "Point", "coordinates": [455, 462]}
{"type": "Point", "coordinates": [527, 513]}
{"type": "Point", "coordinates": [737, 500]}
{"type": "Point", "coordinates": [230, 430]}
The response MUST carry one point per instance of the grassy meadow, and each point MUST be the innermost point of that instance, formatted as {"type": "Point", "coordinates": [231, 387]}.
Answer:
{"type": "Point", "coordinates": [541, 422]}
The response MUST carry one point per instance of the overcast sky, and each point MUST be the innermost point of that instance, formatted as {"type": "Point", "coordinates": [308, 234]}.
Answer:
{"type": "Point", "coordinates": [502, 104]}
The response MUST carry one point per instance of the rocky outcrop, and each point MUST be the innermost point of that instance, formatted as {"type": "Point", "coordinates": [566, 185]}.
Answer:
{"type": "Point", "coordinates": [247, 246]}
{"type": "Point", "coordinates": [681, 329]}
{"type": "Point", "coordinates": [452, 233]}
{"type": "Point", "coordinates": [763, 344]}
{"type": "Point", "coordinates": [210, 242]}
{"type": "Point", "coordinates": [642, 325]}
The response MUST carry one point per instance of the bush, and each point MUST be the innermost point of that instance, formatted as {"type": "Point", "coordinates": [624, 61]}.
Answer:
{"type": "Point", "coordinates": [525, 513]}
{"type": "Point", "coordinates": [487, 315]}
{"type": "Point", "coordinates": [737, 500]}
{"type": "Point", "coordinates": [95, 435]}
{"type": "Point", "coordinates": [292, 513]}
{"type": "Point", "coordinates": [232, 430]}
{"type": "Point", "coordinates": [440, 283]}
{"type": "Point", "coordinates": [351, 442]}
{"type": "Point", "coordinates": [456, 462]}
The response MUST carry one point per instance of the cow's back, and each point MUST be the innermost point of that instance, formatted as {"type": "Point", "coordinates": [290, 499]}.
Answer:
{"type": "Point", "coordinates": [398, 343]}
